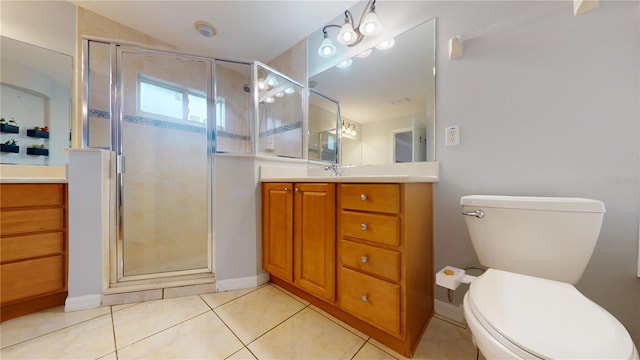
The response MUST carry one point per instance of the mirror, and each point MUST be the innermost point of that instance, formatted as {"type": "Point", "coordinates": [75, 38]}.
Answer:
{"type": "Point", "coordinates": [383, 94]}
{"type": "Point", "coordinates": [323, 117]}
{"type": "Point", "coordinates": [35, 105]}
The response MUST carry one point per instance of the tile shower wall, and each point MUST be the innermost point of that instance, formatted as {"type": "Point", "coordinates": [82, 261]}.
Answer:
{"type": "Point", "coordinates": [231, 79]}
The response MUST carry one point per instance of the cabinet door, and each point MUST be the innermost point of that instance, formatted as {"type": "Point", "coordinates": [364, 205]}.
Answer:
{"type": "Point", "coordinates": [277, 229]}
{"type": "Point", "coordinates": [315, 239]}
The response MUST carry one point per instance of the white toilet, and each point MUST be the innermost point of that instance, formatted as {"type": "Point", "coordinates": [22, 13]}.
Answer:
{"type": "Point", "coordinates": [525, 306]}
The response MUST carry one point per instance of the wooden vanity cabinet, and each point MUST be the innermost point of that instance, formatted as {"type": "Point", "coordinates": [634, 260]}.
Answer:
{"type": "Point", "coordinates": [33, 248]}
{"type": "Point", "coordinates": [298, 234]}
{"type": "Point", "coordinates": [385, 251]}
{"type": "Point", "coordinates": [383, 272]}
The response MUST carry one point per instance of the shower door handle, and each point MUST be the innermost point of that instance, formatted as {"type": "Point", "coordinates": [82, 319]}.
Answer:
{"type": "Point", "coordinates": [120, 168]}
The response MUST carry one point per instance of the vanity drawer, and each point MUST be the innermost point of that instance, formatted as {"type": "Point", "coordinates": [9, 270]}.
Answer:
{"type": "Point", "coordinates": [373, 300]}
{"type": "Point", "coordinates": [24, 279]}
{"type": "Point", "coordinates": [384, 229]}
{"type": "Point", "coordinates": [25, 195]}
{"type": "Point", "coordinates": [30, 246]}
{"type": "Point", "coordinates": [371, 259]}
{"type": "Point", "coordinates": [371, 197]}
{"type": "Point", "coordinates": [31, 220]}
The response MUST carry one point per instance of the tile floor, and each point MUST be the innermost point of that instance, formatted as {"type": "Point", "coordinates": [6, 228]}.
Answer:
{"type": "Point", "coordinates": [261, 323]}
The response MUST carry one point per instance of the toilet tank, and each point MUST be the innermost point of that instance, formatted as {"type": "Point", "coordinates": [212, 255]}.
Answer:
{"type": "Point", "coordinates": [547, 237]}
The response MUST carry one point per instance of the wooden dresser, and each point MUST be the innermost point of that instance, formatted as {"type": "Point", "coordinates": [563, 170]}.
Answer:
{"type": "Point", "coordinates": [33, 248]}
{"type": "Point", "coordinates": [379, 258]}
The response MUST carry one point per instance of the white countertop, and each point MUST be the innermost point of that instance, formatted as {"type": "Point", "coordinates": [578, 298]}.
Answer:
{"type": "Point", "coordinates": [33, 180]}
{"type": "Point", "coordinates": [398, 173]}
{"type": "Point", "coordinates": [356, 179]}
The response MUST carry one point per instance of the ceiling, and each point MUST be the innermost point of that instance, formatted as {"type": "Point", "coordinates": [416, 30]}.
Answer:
{"type": "Point", "coordinates": [246, 30]}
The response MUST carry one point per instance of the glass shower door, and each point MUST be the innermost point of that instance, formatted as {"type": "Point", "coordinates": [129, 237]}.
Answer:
{"type": "Point", "coordinates": [164, 164]}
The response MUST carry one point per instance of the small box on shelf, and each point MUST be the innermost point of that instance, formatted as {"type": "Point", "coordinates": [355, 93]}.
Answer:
{"type": "Point", "coordinates": [6, 128]}
{"type": "Point", "coordinates": [38, 151]}
{"type": "Point", "coordinates": [38, 133]}
{"type": "Point", "coordinates": [9, 148]}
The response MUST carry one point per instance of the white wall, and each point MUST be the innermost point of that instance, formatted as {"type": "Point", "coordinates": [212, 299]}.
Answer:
{"type": "Point", "coordinates": [48, 24]}
{"type": "Point", "coordinates": [548, 104]}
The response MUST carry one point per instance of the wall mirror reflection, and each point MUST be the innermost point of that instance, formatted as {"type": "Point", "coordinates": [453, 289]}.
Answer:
{"type": "Point", "coordinates": [382, 93]}
{"type": "Point", "coordinates": [279, 109]}
{"type": "Point", "coordinates": [324, 115]}
{"type": "Point", "coordinates": [35, 108]}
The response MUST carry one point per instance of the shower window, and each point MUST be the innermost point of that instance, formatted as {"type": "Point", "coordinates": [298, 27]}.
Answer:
{"type": "Point", "coordinates": [157, 97]}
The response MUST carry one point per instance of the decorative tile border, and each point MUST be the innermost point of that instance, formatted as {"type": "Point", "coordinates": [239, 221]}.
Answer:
{"type": "Point", "coordinates": [191, 128]}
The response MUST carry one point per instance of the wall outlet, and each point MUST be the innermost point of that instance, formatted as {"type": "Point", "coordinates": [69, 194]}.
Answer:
{"type": "Point", "coordinates": [452, 134]}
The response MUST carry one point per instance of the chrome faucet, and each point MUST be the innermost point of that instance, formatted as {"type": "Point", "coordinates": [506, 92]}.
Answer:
{"type": "Point", "coordinates": [335, 168]}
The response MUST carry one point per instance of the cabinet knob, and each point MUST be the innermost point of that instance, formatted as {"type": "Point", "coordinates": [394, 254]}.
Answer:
{"type": "Point", "coordinates": [364, 298]}
{"type": "Point", "coordinates": [297, 190]}
{"type": "Point", "coordinates": [286, 189]}
{"type": "Point", "coordinates": [364, 259]}
{"type": "Point", "coordinates": [364, 227]}
{"type": "Point", "coordinates": [363, 197]}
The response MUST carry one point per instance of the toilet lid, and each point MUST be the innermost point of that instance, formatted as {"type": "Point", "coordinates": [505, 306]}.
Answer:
{"type": "Point", "coordinates": [546, 318]}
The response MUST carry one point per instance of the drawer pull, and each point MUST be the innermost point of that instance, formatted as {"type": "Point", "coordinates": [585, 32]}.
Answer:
{"type": "Point", "coordinates": [364, 227]}
{"type": "Point", "coordinates": [364, 298]}
{"type": "Point", "coordinates": [363, 197]}
{"type": "Point", "coordinates": [364, 259]}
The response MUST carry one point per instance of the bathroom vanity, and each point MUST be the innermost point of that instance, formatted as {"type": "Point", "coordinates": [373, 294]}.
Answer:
{"type": "Point", "coordinates": [33, 247]}
{"type": "Point", "coordinates": [360, 248]}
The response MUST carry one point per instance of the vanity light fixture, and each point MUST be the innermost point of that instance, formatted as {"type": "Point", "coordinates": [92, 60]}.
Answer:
{"type": "Point", "coordinates": [344, 64]}
{"type": "Point", "coordinates": [348, 129]}
{"type": "Point", "coordinates": [385, 45]}
{"type": "Point", "coordinates": [365, 53]}
{"type": "Point", "coordinates": [350, 34]}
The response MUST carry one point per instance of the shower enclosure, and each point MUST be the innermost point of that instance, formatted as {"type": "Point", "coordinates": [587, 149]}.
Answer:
{"type": "Point", "coordinates": [164, 116]}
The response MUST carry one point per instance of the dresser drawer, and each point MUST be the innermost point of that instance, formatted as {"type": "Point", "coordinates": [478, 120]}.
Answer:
{"type": "Point", "coordinates": [30, 246]}
{"type": "Point", "coordinates": [371, 260]}
{"type": "Point", "coordinates": [384, 229]}
{"type": "Point", "coordinates": [31, 220]}
{"type": "Point", "coordinates": [24, 195]}
{"type": "Point", "coordinates": [373, 300]}
{"type": "Point", "coordinates": [371, 197]}
{"type": "Point", "coordinates": [32, 277]}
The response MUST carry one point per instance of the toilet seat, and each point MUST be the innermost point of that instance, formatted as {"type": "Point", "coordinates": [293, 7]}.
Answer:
{"type": "Point", "coordinates": [534, 317]}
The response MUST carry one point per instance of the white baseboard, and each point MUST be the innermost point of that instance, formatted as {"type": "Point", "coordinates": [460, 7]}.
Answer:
{"type": "Point", "coordinates": [449, 311]}
{"type": "Point", "coordinates": [82, 302]}
{"type": "Point", "coordinates": [242, 283]}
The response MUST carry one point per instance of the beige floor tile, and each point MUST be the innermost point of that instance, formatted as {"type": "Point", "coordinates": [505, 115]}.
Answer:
{"type": "Point", "coordinates": [370, 352]}
{"type": "Point", "coordinates": [142, 320]}
{"type": "Point", "coordinates": [291, 294]}
{"type": "Point", "coordinates": [307, 335]}
{"type": "Point", "coordinates": [340, 322]}
{"type": "Point", "coordinates": [220, 298]}
{"type": "Point", "coordinates": [44, 322]}
{"type": "Point", "coordinates": [442, 340]}
{"type": "Point", "coordinates": [243, 354]}
{"type": "Point", "coordinates": [203, 337]}
{"type": "Point", "coordinates": [122, 306]}
{"type": "Point", "coordinates": [257, 312]}
{"type": "Point", "coordinates": [111, 356]}
{"type": "Point", "coordinates": [88, 340]}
